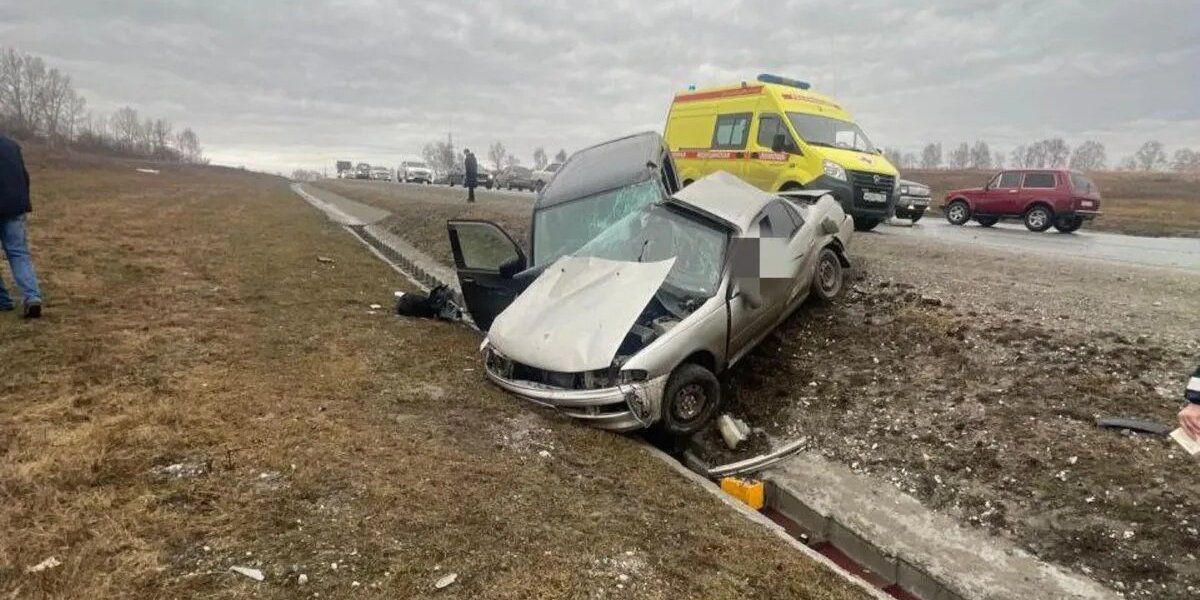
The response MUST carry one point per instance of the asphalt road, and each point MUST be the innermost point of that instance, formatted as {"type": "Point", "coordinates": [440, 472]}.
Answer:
{"type": "Point", "coordinates": [1182, 254]}
{"type": "Point", "coordinates": [1171, 253]}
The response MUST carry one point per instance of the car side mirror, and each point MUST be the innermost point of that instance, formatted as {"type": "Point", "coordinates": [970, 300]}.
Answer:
{"type": "Point", "coordinates": [779, 143]}
{"type": "Point", "coordinates": [509, 268]}
{"type": "Point", "coordinates": [829, 226]}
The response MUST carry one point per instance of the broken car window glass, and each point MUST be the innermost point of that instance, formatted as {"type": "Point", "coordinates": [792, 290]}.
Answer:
{"type": "Point", "coordinates": [658, 233]}
{"type": "Point", "coordinates": [562, 229]}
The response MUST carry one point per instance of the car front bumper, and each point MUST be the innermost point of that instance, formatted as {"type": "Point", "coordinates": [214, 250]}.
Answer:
{"type": "Point", "coordinates": [609, 408]}
{"type": "Point", "coordinates": [912, 204]}
{"type": "Point", "coordinates": [1086, 215]}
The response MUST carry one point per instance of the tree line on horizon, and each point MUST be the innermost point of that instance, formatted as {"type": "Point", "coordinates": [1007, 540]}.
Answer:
{"type": "Point", "coordinates": [41, 102]}
{"type": "Point", "coordinates": [1045, 154]}
{"type": "Point", "coordinates": [443, 157]}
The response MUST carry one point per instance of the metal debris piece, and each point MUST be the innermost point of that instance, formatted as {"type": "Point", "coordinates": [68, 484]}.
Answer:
{"type": "Point", "coordinates": [446, 581]}
{"type": "Point", "coordinates": [1141, 425]}
{"type": "Point", "coordinates": [324, 259]}
{"type": "Point", "coordinates": [49, 563]}
{"type": "Point", "coordinates": [254, 574]}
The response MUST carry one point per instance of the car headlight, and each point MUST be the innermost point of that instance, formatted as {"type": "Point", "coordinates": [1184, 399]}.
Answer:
{"type": "Point", "coordinates": [834, 170]}
{"type": "Point", "coordinates": [904, 189]}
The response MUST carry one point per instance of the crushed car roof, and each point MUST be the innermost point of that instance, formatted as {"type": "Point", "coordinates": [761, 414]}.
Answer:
{"type": "Point", "coordinates": [726, 198]}
{"type": "Point", "coordinates": [611, 165]}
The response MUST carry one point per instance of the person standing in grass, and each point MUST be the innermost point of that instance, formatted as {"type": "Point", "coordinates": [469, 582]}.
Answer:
{"type": "Point", "coordinates": [14, 205]}
{"type": "Point", "coordinates": [470, 174]}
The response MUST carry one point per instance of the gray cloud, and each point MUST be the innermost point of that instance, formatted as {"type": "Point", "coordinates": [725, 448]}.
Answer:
{"type": "Point", "coordinates": [303, 84]}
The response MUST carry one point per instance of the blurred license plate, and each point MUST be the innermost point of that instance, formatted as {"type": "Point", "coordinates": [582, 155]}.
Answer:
{"type": "Point", "coordinates": [874, 196]}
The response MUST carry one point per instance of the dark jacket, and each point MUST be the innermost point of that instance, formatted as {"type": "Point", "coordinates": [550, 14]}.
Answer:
{"type": "Point", "coordinates": [14, 181]}
{"type": "Point", "coordinates": [471, 177]}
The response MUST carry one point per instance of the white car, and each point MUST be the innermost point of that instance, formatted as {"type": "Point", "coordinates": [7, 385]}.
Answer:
{"type": "Point", "coordinates": [414, 171]}
{"type": "Point", "coordinates": [381, 174]}
{"type": "Point", "coordinates": [543, 176]}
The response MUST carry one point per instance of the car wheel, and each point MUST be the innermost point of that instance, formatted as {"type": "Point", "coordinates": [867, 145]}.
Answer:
{"type": "Point", "coordinates": [917, 217]}
{"type": "Point", "coordinates": [1068, 224]}
{"type": "Point", "coordinates": [864, 224]}
{"type": "Point", "coordinates": [690, 399]}
{"type": "Point", "coordinates": [958, 212]}
{"type": "Point", "coordinates": [1038, 219]}
{"type": "Point", "coordinates": [987, 221]}
{"type": "Point", "coordinates": [829, 279]}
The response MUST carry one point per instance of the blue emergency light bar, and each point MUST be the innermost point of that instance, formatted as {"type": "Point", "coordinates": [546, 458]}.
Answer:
{"type": "Point", "coordinates": [768, 78]}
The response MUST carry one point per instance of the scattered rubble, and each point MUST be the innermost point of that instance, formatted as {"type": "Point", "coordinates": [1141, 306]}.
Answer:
{"type": "Point", "coordinates": [733, 431]}
{"type": "Point", "coordinates": [446, 581]}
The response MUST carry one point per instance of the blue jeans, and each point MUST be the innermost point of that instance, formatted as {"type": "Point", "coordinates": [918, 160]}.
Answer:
{"type": "Point", "coordinates": [16, 248]}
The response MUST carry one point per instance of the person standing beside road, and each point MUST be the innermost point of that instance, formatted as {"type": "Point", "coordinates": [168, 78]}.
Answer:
{"type": "Point", "coordinates": [1189, 417]}
{"type": "Point", "coordinates": [470, 175]}
{"type": "Point", "coordinates": [14, 205]}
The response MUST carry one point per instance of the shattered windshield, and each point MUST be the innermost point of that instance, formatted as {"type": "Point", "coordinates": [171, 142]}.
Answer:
{"type": "Point", "coordinates": [564, 228]}
{"type": "Point", "coordinates": [658, 233]}
{"type": "Point", "coordinates": [832, 133]}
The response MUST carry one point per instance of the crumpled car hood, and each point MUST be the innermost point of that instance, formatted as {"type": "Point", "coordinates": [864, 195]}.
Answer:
{"type": "Point", "coordinates": [574, 317]}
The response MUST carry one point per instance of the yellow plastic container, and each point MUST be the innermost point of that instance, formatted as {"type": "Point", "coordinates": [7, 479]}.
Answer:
{"type": "Point", "coordinates": [748, 491]}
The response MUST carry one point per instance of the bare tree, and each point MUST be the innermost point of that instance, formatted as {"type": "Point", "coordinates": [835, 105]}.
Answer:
{"type": "Point", "coordinates": [127, 128]}
{"type": "Point", "coordinates": [497, 153]}
{"type": "Point", "coordinates": [1186, 160]}
{"type": "Point", "coordinates": [1151, 156]}
{"type": "Point", "coordinates": [1089, 156]}
{"type": "Point", "coordinates": [981, 155]}
{"type": "Point", "coordinates": [161, 133]}
{"type": "Point", "coordinates": [909, 160]}
{"type": "Point", "coordinates": [997, 160]}
{"type": "Point", "coordinates": [1057, 152]}
{"type": "Point", "coordinates": [539, 158]}
{"type": "Point", "coordinates": [1019, 158]}
{"type": "Point", "coordinates": [931, 156]}
{"type": "Point", "coordinates": [960, 157]}
{"type": "Point", "coordinates": [561, 156]}
{"type": "Point", "coordinates": [188, 144]}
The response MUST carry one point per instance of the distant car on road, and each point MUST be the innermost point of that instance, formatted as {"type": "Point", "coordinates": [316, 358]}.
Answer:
{"type": "Point", "coordinates": [344, 169]}
{"type": "Point", "coordinates": [515, 178]}
{"type": "Point", "coordinates": [483, 178]}
{"type": "Point", "coordinates": [543, 176]}
{"type": "Point", "coordinates": [1040, 197]}
{"type": "Point", "coordinates": [362, 171]}
{"type": "Point", "coordinates": [414, 171]}
{"type": "Point", "coordinates": [914, 199]}
{"type": "Point", "coordinates": [381, 174]}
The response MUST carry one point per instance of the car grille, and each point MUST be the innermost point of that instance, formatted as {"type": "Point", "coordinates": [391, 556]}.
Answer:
{"type": "Point", "coordinates": [511, 369]}
{"type": "Point", "coordinates": [871, 182]}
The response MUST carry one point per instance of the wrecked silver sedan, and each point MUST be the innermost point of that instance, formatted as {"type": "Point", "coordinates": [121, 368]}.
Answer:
{"type": "Point", "coordinates": [628, 327]}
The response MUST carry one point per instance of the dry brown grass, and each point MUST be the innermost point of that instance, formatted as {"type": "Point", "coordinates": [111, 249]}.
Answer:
{"type": "Point", "coordinates": [189, 322]}
{"type": "Point", "coordinates": [1154, 204]}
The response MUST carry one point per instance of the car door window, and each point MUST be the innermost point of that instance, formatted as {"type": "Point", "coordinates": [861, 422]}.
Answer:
{"type": "Point", "coordinates": [1009, 180]}
{"type": "Point", "coordinates": [768, 127]}
{"type": "Point", "coordinates": [482, 246]}
{"type": "Point", "coordinates": [776, 222]}
{"type": "Point", "coordinates": [1040, 180]}
{"type": "Point", "coordinates": [731, 131]}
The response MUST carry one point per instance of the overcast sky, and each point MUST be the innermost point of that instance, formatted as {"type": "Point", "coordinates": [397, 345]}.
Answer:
{"type": "Point", "coordinates": [278, 86]}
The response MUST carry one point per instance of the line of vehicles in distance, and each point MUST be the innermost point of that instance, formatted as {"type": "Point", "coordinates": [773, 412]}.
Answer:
{"type": "Point", "coordinates": [514, 177]}
{"type": "Point", "coordinates": [779, 135]}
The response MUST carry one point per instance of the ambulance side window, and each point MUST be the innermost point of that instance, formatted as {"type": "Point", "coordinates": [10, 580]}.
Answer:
{"type": "Point", "coordinates": [731, 131]}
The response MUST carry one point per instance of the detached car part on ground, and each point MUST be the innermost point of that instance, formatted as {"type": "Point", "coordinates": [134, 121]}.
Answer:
{"type": "Point", "coordinates": [913, 201]}
{"type": "Point", "coordinates": [638, 294]}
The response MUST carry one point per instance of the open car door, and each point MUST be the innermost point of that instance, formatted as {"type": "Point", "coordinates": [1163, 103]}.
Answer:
{"type": "Point", "coordinates": [486, 259]}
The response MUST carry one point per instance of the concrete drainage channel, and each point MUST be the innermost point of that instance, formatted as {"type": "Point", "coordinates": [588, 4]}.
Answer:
{"type": "Point", "coordinates": [876, 537]}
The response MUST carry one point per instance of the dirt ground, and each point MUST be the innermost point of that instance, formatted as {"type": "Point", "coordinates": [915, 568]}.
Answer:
{"type": "Point", "coordinates": [1152, 204]}
{"type": "Point", "coordinates": [204, 393]}
{"type": "Point", "coordinates": [973, 381]}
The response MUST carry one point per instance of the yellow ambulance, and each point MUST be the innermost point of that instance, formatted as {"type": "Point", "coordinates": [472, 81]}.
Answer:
{"type": "Point", "coordinates": [779, 135]}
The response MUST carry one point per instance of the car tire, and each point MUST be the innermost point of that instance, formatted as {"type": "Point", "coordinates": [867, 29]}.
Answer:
{"type": "Point", "coordinates": [865, 224]}
{"type": "Point", "coordinates": [829, 278]}
{"type": "Point", "coordinates": [987, 221]}
{"type": "Point", "coordinates": [1068, 224]}
{"type": "Point", "coordinates": [1038, 219]}
{"type": "Point", "coordinates": [917, 217]}
{"type": "Point", "coordinates": [958, 212]}
{"type": "Point", "coordinates": [690, 399]}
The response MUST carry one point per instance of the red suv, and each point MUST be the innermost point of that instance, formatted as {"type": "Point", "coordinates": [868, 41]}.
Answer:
{"type": "Point", "coordinates": [1039, 197]}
